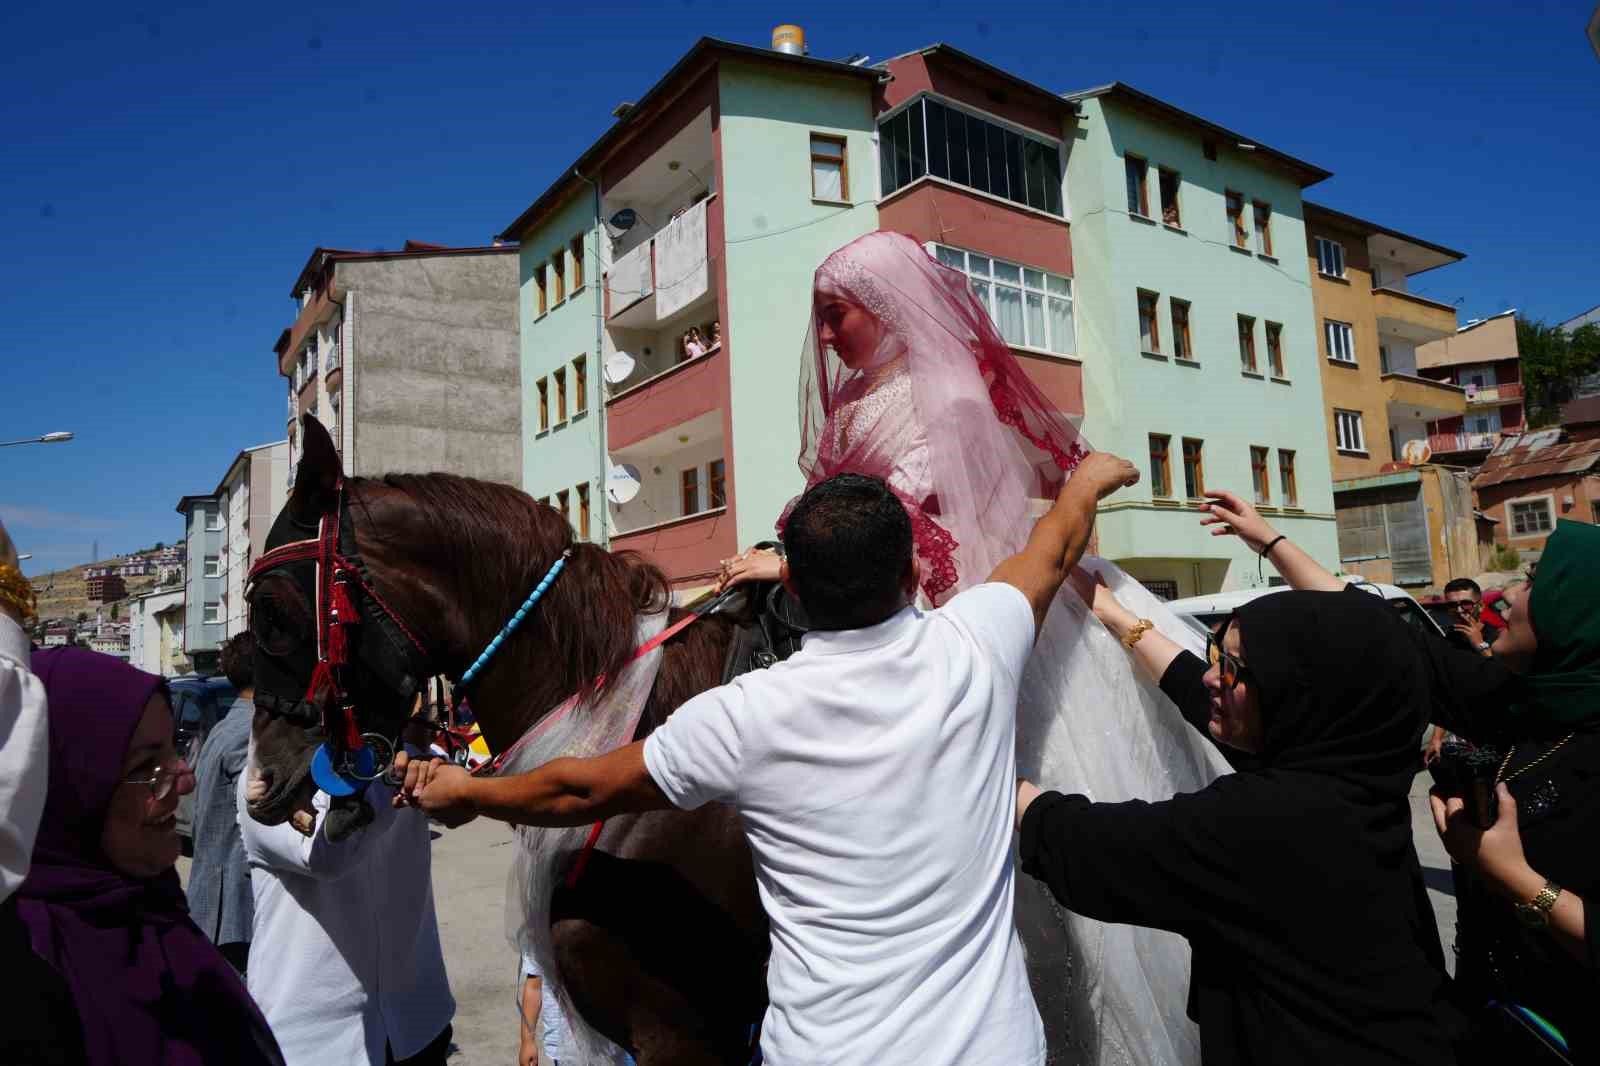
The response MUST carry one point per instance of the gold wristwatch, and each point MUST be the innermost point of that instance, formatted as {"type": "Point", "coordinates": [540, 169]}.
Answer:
{"type": "Point", "coordinates": [1535, 913]}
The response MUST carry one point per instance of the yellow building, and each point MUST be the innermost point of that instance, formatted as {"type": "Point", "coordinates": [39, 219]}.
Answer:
{"type": "Point", "coordinates": [1400, 519]}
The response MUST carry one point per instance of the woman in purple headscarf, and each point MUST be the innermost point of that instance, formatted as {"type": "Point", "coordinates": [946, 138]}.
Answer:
{"type": "Point", "coordinates": [102, 903]}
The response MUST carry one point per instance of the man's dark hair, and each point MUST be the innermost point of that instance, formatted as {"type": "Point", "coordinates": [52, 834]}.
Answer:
{"type": "Point", "coordinates": [1463, 584]}
{"type": "Point", "coordinates": [848, 543]}
{"type": "Point", "coordinates": [239, 660]}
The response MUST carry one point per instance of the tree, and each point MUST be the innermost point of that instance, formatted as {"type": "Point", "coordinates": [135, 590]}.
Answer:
{"type": "Point", "coordinates": [1552, 362]}
{"type": "Point", "coordinates": [83, 616]}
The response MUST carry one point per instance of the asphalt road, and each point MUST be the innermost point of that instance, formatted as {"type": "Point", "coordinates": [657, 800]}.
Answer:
{"type": "Point", "coordinates": [469, 883]}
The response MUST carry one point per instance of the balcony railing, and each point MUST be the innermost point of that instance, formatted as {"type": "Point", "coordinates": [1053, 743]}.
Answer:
{"type": "Point", "coordinates": [1494, 394]}
{"type": "Point", "coordinates": [1449, 443]}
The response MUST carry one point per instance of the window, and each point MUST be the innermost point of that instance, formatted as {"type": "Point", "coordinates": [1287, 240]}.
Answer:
{"type": "Point", "coordinates": [1341, 341]}
{"type": "Point", "coordinates": [1247, 343]}
{"type": "Point", "coordinates": [717, 483]}
{"type": "Point", "coordinates": [1347, 431]}
{"type": "Point", "coordinates": [1169, 196]}
{"type": "Point", "coordinates": [1258, 475]}
{"type": "Point", "coordinates": [689, 490]}
{"type": "Point", "coordinates": [583, 511]}
{"type": "Point", "coordinates": [1241, 238]}
{"type": "Point", "coordinates": [1030, 308]}
{"type": "Point", "coordinates": [538, 282]}
{"type": "Point", "coordinates": [577, 263]}
{"type": "Point", "coordinates": [560, 277]}
{"type": "Point", "coordinates": [1181, 348]}
{"type": "Point", "coordinates": [1160, 470]}
{"type": "Point", "coordinates": [580, 385]}
{"type": "Point", "coordinates": [213, 614]}
{"type": "Point", "coordinates": [1286, 486]}
{"type": "Point", "coordinates": [1194, 481]}
{"type": "Point", "coordinates": [929, 137]}
{"type": "Point", "coordinates": [560, 378]}
{"type": "Point", "coordinates": [214, 519]}
{"type": "Point", "coordinates": [563, 504]}
{"type": "Point", "coordinates": [213, 566]}
{"type": "Point", "coordinates": [1530, 517]}
{"type": "Point", "coordinates": [544, 405]}
{"type": "Point", "coordinates": [1383, 358]}
{"type": "Point", "coordinates": [1149, 328]}
{"type": "Point", "coordinates": [334, 402]}
{"type": "Point", "coordinates": [1263, 213]}
{"type": "Point", "coordinates": [1330, 258]}
{"type": "Point", "coordinates": [1138, 195]}
{"type": "Point", "coordinates": [1275, 349]}
{"type": "Point", "coordinates": [830, 177]}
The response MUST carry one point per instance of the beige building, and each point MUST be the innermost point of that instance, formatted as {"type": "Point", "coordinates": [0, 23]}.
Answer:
{"type": "Point", "coordinates": [1401, 520]}
{"type": "Point", "coordinates": [1482, 359]}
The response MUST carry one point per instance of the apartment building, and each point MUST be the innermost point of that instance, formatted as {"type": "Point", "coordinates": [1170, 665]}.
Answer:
{"type": "Point", "coordinates": [204, 619]}
{"type": "Point", "coordinates": [105, 587]}
{"type": "Point", "coordinates": [409, 358]}
{"type": "Point", "coordinates": [1196, 334]}
{"type": "Point", "coordinates": [250, 495]}
{"type": "Point", "coordinates": [1482, 359]}
{"type": "Point", "coordinates": [156, 632]}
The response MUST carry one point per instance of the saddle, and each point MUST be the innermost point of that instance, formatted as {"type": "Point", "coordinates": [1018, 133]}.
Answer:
{"type": "Point", "coordinates": [768, 631]}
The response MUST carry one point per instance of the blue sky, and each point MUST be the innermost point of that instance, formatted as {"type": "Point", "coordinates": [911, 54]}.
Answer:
{"type": "Point", "coordinates": [169, 169]}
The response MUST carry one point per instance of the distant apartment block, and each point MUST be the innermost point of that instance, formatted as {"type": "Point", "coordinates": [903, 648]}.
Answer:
{"type": "Point", "coordinates": [1482, 359]}
{"type": "Point", "coordinates": [105, 587]}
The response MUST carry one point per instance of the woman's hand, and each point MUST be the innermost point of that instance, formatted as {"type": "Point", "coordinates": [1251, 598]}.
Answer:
{"type": "Point", "coordinates": [1027, 792]}
{"type": "Point", "coordinates": [1093, 590]}
{"type": "Point", "coordinates": [1496, 852]}
{"type": "Point", "coordinates": [1230, 514]}
{"type": "Point", "coordinates": [757, 564]}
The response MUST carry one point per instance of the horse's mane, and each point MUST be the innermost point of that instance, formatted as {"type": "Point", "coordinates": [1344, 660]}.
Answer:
{"type": "Point", "coordinates": [494, 543]}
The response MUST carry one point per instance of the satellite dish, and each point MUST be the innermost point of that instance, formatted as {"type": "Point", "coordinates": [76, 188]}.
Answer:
{"type": "Point", "coordinates": [618, 366]}
{"type": "Point", "coordinates": [1416, 452]}
{"type": "Point", "coordinates": [624, 220]}
{"type": "Point", "coordinates": [622, 482]}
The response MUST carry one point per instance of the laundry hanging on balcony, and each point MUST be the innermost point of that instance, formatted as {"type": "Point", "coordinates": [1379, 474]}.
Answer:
{"type": "Point", "coordinates": [681, 274]}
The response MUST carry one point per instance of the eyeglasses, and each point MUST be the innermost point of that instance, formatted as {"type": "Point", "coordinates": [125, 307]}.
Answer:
{"type": "Point", "coordinates": [1230, 666]}
{"type": "Point", "coordinates": [161, 780]}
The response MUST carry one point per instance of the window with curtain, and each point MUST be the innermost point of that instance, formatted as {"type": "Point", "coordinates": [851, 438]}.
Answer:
{"type": "Point", "coordinates": [1347, 431]}
{"type": "Point", "coordinates": [1258, 475]}
{"type": "Point", "coordinates": [1181, 346]}
{"type": "Point", "coordinates": [559, 275]}
{"type": "Point", "coordinates": [583, 511]}
{"type": "Point", "coordinates": [1530, 517]}
{"type": "Point", "coordinates": [1286, 485]}
{"type": "Point", "coordinates": [560, 379]}
{"type": "Point", "coordinates": [1137, 172]}
{"type": "Point", "coordinates": [1275, 349]}
{"type": "Point", "coordinates": [1341, 340]}
{"type": "Point", "coordinates": [717, 483]}
{"type": "Point", "coordinates": [829, 180]}
{"type": "Point", "coordinates": [580, 385]}
{"type": "Point", "coordinates": [1160, 470]}
{"type": "Point", "coordinates": [932, 137]}
{"type": "Point", "coordinates": [1263, 217]}
{"type": "Point", "coordinates": [1330, 258]}
{"type": "Point", "coordinates": [689, 491]}
{"type": "Point", "coordinates": [544, 404]}
{"type": "Point", "coordinates": [564, 505]}
{"type": "Point", "coordinates": [538, 284]}
{"type": "Point", "coordinates": [1031, 308]}
{"type": "Point", "coordinates": [1235, 204]}
{"type": "Point", "coordinates": [1170, 184]}
{"type": "Point", "coordinates": [1194, 476]}
{"type": "Point", "coordinates": [1247, 343]}
{"type": "Point", "coordinates": [1149, 328]}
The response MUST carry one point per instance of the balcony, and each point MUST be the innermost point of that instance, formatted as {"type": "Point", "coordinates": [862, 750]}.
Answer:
{"type": "Point", "coordinates": [1412, 317]}
{"type": "Point", "coordinates": [1493, 395]}
{"type": "Point", "coordinates": [1458, 443]}
{"type": "Point", "coordinates": [1414, 398]}
{"type": "Point", "coordinates": [666, 279]}
{"type": "Point", "coordinates": [652, 400]}
{"type": "Point", "coordinates": [681, 473]}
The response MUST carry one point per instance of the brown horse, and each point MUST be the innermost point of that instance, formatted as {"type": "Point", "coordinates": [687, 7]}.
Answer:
{"type": "Point", "coordinates": [662, 942]}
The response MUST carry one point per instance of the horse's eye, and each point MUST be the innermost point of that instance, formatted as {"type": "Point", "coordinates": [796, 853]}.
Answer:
{"type": "Point", "coordinates": [273, 635]}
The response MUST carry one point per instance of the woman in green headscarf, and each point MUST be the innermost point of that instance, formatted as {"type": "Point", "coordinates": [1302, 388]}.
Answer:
{"type": "Point", "coordinates": [1525, 933]}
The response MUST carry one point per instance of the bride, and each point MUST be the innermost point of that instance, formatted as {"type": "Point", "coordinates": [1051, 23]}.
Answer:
{"type": "Point", "coordinates": [905, 377]}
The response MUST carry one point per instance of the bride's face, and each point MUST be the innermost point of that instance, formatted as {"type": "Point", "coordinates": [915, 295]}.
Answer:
{"type": "Point", "coordinates": [847, 328]}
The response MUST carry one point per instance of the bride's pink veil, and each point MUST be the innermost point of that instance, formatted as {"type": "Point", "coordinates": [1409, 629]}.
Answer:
{"type": "Point", "coordinates": [993, 440]}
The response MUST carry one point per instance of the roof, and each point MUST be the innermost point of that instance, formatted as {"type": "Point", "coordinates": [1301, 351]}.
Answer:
{"type": "Point", "coordinates": [1370, 228]}
{"type": "Point", "coordinates": [642, 111]}
{"type": "Point", "coordinates": [1589, 317]}
{"type": "Point", "coordinates": [1537, 455]}
{"type": "Point", "coordinates": [1038, 92]}
{"type": "Point", "coordinates": [1470, 326]}
{"type": "Point", "coordinates": [1581, 411]}
{"type": "Point", "coordinates": [321, 257]}
{"type": "Point", "coordinates": [186, 503]}
{"type": "Point", "coordinates": [1303, 172]}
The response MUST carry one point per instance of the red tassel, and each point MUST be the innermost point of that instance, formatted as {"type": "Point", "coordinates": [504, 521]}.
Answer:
{"type": "Point", "coordinates": [321, 678]}
{"type": "Point", "coordinates": [344, 614]}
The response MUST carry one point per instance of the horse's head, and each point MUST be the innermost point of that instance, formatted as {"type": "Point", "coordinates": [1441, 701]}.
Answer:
{"type": "Point", "coordinates": [381, 664]}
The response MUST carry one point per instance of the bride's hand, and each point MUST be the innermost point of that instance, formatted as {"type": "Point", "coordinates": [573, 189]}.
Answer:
{"type": "Point", "coordinates": [757, 564]}
{"type": "Point", "coordinates": [1093, 590]}
{"type": "Point", "coordinates": [1230, 514]}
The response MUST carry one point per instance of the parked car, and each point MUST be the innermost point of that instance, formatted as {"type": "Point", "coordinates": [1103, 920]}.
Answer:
{"type": "Point", "coordinates": [198, 703]}
{"type": "Point", "coordinates": [1205, 612]}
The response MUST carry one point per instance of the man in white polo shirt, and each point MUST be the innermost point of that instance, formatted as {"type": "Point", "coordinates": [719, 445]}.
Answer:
{"type": "Point", "coordinates": [874, 772]}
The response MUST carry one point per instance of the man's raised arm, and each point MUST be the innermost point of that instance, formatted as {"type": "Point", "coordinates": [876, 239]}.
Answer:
{"type": "Point", "coordinates": [1059, 538]}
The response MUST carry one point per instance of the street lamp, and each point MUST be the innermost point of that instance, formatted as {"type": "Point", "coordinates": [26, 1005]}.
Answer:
{"type": "Point", "coordinates": [48, 438]}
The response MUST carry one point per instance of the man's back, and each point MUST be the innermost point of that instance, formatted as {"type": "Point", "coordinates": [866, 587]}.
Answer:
{"type": "Point", "coordinates": [219, 882]}
{"type": "Point", "coordinates": [875, 775]}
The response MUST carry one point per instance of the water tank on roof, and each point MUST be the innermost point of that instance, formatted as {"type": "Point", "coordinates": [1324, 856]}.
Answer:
{"type": "Point", "coordinates": [788, 39]}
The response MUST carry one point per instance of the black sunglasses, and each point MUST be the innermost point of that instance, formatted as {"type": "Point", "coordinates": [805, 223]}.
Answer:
{"type": "Point", "coordinates": [1231, 667]}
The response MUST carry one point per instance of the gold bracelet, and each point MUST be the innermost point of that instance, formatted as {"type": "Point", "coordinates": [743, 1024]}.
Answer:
{"type": "Point", "coordinates": [1140, 628]}
{"type": "Point", "coordinates": [17, 591]}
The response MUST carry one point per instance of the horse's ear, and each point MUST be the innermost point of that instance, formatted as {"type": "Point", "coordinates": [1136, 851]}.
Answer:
{"type": "Point", "coordinates": [316, 479]}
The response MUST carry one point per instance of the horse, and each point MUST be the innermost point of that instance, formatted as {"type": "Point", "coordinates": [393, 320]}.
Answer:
{"type": "Point", "coordinates": [662, 942]}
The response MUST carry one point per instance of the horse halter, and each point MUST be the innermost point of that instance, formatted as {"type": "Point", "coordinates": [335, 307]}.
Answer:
{"type": "Point", "coordinates": [344, 604]}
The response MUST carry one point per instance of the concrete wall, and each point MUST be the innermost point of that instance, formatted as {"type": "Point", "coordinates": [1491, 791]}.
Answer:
{"type": "Point", "coordinates": [1489, 341]}
{"type": "Point", "coordinates": [776, 236]}
{"type": "Point", "coordinates": [1128, 396]}
{"type": "Point", "coordinates": [569, 453]}
{"type": "Point", "coordinates": [434, 370]}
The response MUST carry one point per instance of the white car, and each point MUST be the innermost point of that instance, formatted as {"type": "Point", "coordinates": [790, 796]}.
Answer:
{"type": "Point", "coordinates": [1205, 612]}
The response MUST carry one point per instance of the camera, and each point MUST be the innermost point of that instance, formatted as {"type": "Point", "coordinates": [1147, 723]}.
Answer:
{"type": "Point", "coordinates": [1467, 773]}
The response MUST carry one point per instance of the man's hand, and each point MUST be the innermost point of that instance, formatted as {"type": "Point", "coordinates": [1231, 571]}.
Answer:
{"type": "Point", "coordinates": [435, 786]}
{"type": "Point", "coordinates": [1104, 473]}
{"type": "Point", "coordinates": [1473, 631]}
{"type": "Point", "coordinates": [532, 1001]}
